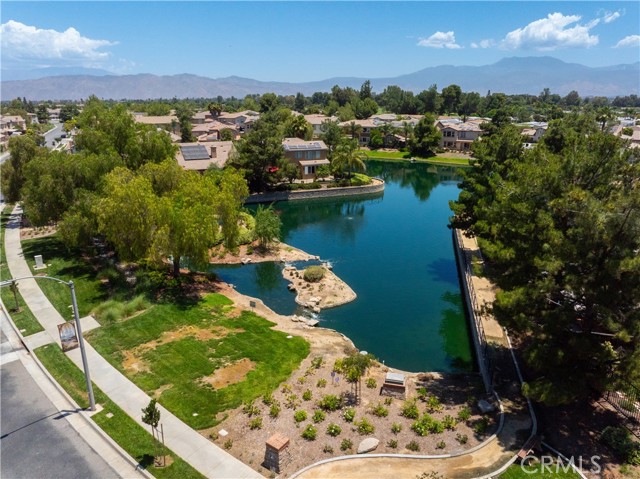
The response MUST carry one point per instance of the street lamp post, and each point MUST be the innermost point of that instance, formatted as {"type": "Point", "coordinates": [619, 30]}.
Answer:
{"type": "Point", "coordinates": [76, 316]}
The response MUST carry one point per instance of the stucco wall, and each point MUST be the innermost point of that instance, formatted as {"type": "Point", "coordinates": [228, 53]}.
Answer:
{"type": "Point", "coordinates": [374, 188]}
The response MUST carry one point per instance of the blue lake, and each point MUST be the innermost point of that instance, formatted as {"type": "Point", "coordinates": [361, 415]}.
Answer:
{"type": "Point", "coordinates": [396, 252]}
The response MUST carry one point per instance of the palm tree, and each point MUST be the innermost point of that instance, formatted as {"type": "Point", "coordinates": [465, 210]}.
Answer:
{"type": "Point", "coordinates": [386, 129]}
{"type": "Point", "coordinates": [354, 130]}
{"type": "Point", "coordinates": [347, 155]}
{"type": "Point", "coordinates": [407, 128]}
{"type": "Point", "coordinates": [215, 109]}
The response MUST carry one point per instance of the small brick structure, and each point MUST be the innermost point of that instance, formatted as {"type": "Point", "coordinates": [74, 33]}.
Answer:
{"type": "Point", "coordinates": [394, 386]}
{"type": "Point", "coordinates": [276, 453]}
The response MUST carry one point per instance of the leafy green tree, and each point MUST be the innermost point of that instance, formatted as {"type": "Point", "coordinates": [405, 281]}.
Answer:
{"type": "Point", "coordinates": [233, 191]}
{"type": "Point", "coordinates": [426, 137]}
{"type": "Point", "coordinates": [560, 230]}
{"type": "Point", "coordinates": [269, 102]}
{"type": "Point", "coordinates": [354, 367]}
{"type": "Point", "coordinates": [288, 170]}
{"type": "Point", "coordinates": [23, 150]}
{"type": "Point", "coordinates": [297, 126]}
{"type": "Point", "coordinates": [227, 134]}
{"type": "Point", "coordinates": [300, 102]}
{"type": "Point", "coordinates": [430, 99]}
{"type": "Point", "coordinates": [331, 135]}
{"type": "Point", "coordinates": [215, 109]}
{"type": "Point", "coordinates": [43, 114]}
{"type": "Point", "coordinates": [365, 90]}
{"type": "Point", "coordinates": [268, 225]}
{"type": "Point", "coordinates": [375, 140]}
{"type": "Point", "coordinates": [364, 108]}
{"type": "Point", "coordinates": [451, 97]}
{"type": "Point", "coordinates": [68, 112]}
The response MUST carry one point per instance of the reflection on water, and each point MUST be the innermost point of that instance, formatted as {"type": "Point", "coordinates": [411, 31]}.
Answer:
{"type": "Point", "coordinates": [396, 252]}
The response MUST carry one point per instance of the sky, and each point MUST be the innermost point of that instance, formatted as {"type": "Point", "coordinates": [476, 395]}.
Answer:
{"type": "Point", "coordinates": [306, 41]}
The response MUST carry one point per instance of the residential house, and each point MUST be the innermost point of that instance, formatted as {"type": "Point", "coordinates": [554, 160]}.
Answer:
{"type": "Point", "coordinates": [316, 121]}
{"type": "Point", "coordinates": [366, 127]}
{"type": "Point", "coordinates": [458, 134]}
{"type": "Point", "coordinates": [13, 122]}
{"type": "Point", "coordinates": [242, 120]}
{"type": "Point", "coordinates": [166, 122]}
{"type": "Point", "coordinates": [211, 130]}
{"type": "Point", "coordinates": [308, 155]}
{"type": "Point", "coordinates": [534, 132]}
{"type": "Point", "coordinates": [200, 156]}
{"type": "Point", "coordinates": [623, 132]}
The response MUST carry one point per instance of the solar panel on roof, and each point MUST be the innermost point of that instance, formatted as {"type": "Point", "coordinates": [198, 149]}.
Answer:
{"type": "Point", "coordinates": [194, 152]}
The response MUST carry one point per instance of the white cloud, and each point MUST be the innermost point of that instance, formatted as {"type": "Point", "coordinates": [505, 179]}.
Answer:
{"type": "Point", "coordinates": [551, 33]}
{"type": "Point", "coordinates": [440, 40]}
{"type": "Point", "coordinates": [610, 17]}
{"type": "Point", "coordinates": [629, 41]}
{"type": "Point", "coordinates": [483, 44]}
{"type": "Point", "coordinates": [31, 45]}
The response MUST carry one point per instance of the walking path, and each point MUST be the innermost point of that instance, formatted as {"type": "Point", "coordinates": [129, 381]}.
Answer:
{"type": "Point", "coordinates": [195, 449]}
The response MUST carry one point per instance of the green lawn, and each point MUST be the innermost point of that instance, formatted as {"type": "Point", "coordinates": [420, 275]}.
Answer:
{"type": "Point", "coordinates": [445, 161]}
{"type": "Point", "coordinates": [23, 317]}
{"type": "Point", "coordinates": [395, 155]}
{"type": "Point", "coordinates": [177, 365]}
{"type": "Point", "coordinates": [549, 472]}
{"type": "Point", "coordinates": [404, 156]}
{"type": "Point", "coordinates": [132, 437]}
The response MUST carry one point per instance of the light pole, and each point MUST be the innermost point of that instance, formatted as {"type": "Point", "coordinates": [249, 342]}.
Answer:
{"type": "Point", "coordinates": [76, 316]}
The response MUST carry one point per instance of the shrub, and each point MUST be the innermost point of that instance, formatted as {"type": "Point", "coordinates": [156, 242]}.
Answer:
{"type": "Point", "coordinates": [228, 444]}
{"type": "Point", "coordinates": [464, 414]}
{"type": "Point", "coordinates": [423, 394]}
{"type": "Point", "coordinates": [307, 395]}
{"type": "Point", "coordinates": [449, 422]}
{"type": "Point", "coordinates": [274, 410]}
{"type": "Point", "coordinates": [321, 383]}
{"type": "Point", "coordinates": [481, 426]}
{"type": "Point", "coordinates": [286, 389]}
{"type": "Point", "coordinates": [250, 409]}
{"type": "Point", "coordinates": [316, 363]}
{"type": "Point", "coordinates": [300, 415]}
{"type": "Point", "coordinates": [327, 449]}
{"type": "Point", "coordinates": [396, 428]}
{"type": "Point", "coordinates": [330, 402]}
{"type": "Point", "coordinates": [313, 274]}
{"type": "Point", "coordinates": [338, 365]}
{"type": "Point", "coordinates": [388, 401]}
{"type": "Point", "coordinates": [379, 410]}
{"type": "Point", "coordinates": [346, 445]}
{"type": "Point", "coordinates": [433, 404]}
{"type": "Point", "coordinates": [318, 416]}
{"type": "Point", "coordinates": [413, 446]}
{"type": "Point", "coordinates": [310, 432]}
{"type": "Point", "coordinates": [292, 402]}
{"type": "Point", "coordinates": [267, 399]}
{"type": "Point", "coordinates": [462, 438]}
{"type": "Point", "coordinates": [410, 409]}
{"type": "Point", "coordinates": [333, 430]}
{"type": "Point", "coordinates": [371, 383]}
{"type": "Point", "coordinates": [619, 440]}
{"type": "Point", "coordinates": [255, 423]}
{"type": "Point", "coordinates": [302, 380]}
{"type": "Point", "coordinates": [427, 425]}
{"type": "Point", "coordinates": [364, 427]}
{"type": "Point", "coordinates": [349, 414]}
{"type": "Point", "coordinates": [392, 443]}
{"type": "Point", "coordinates": [440, 445]}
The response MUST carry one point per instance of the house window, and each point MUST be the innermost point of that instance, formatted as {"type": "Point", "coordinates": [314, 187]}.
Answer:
{"type": "Point", "coordinates": [309, 170]}
{"type": "Point", "coordinates": [463, 134]}
{"type": "Point", "coordinates": [299, 155]}
{"type": "Point", "coordinates": [448, 133]}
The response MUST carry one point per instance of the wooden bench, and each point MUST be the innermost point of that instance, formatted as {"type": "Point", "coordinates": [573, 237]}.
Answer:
{"type": "Point", "coordinates": [532, 443]}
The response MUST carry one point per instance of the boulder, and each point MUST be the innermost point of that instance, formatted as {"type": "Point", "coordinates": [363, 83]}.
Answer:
{"type": "Point", "coordinates": [485, 406]}
{"type": "Point", "coordinates": [368, 445]}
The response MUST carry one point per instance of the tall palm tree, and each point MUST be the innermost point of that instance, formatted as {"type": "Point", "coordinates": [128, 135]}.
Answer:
{"type": "Point", "coordinates": [386, 129]}
{"type": "Point", "coordinates": [354, 130]}
{"type": "Point", "coordinates": [347, 155]}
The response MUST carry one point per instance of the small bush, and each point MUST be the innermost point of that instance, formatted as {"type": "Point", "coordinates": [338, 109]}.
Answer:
{"type": "Point", "coordinates": [292, 402]}
{"type": "Point", "coordinates": [619, 440]}
{"type": "Point", "coordinates": [410, 409]}
{"type": "Point", "coordinates": [330, 402]}
{"type": "Point", "coordinates": [327, 449]}
{"type": "Point", "coordinates": [427, 425]}
{"type": "Point", "coordinates": [464, 414]}
{"type": "Point", "coordinates": [481, 426]}
{"type": "Point", "coordinates": [267, 399]}
{"type": "Point", "coordinates": [318, 416]}
{"type": "Point", "coordinates": [392, 443]}
{"type": "Point", "coordinates": [313, 274]}
{"type": "Point", "coordinates": [346, 445]}
{"type": "Point", "coordinates": [379, 410]}
{"type": "Point", "coordinates": [228, 444]}
{"type": "Point", "coordinates": [388, 401]}
{"type": "Point", "coordinates": [413, 446]}
{"type": "Point", "coordinates": [321, 383]}
{"type": "Point", "coordinates": [306, 396]}
{"type": "Point", "coordinates": [333, 430]}
{"type": "Point", "coordinates": [449, 422]}
{"type": "Point", "coordinates": [364, 427]}
{"type": "Point", "coordinates": [300, 415]}
{"type": "Point", "coordinates": [440, 445]}
{"type": "Point", "coordinates": [462, 438]}
{"type": "Point", "coordinates": [371, 383]}
{"type": "Point", "coordinates": [310, 432]}
{"type": "Point", "coordinates": [423, 394]}
{"type": "Point", "coordinates": [433, 404]}
{"type": "Point", "coordinates": [250, 409]}
{"type": "Point", "coordinates": [349, 414]}
{"type": "Point", "coordinates": [286, 389]}
{"type": "Point", "coordinates": [302, 380]}
{"type": "Point", "coordinates": [316, 363]}
{"type": "Point", "coordinates": [338, 365]}
{"type": "Point", "coordinates": [396, 428]}
{"type": "Point", "coordinates": [255, 423]}
{"type": "Point", "coordinates": [274, 410]}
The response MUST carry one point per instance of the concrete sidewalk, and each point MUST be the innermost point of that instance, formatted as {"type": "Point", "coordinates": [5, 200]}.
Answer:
{"type": "Point", "coordinates": [199, 452]}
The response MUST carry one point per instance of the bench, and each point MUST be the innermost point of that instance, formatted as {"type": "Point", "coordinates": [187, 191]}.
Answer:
{"type": "Point", "coordinates": [532, 443]}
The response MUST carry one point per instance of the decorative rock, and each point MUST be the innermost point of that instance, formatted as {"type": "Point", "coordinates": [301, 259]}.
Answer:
{"type": "Point", "coordinates": [291, 287]}
{"type": "Point", "coordinates": [245, 260]}
{"type": "Point", "coordinates": [485, 406]}
{"type": "Point", "coordinates": [223, 433]}
{"type": "Point", "coordinates": [316, 309]}
{"type": "Point", "coordinates": [368, 445]}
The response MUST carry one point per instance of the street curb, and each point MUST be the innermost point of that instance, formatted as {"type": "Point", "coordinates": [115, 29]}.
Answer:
{"type": "Point", "coordinates": [87, 420]}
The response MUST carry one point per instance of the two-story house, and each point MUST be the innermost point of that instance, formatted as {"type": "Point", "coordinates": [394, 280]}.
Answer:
{"type": "Point", "coordinates": [458, 134]}
{"type": "Point", "coordinates": [316, 121]}
{"type": "Point", "coordinates": [361, 128]}
{"type": "Point", "coordinates": [242, 120]}
{"type": "Point", "coordinates": [200, 156]}
{"type": "Point", "coordinates": [308, 155]}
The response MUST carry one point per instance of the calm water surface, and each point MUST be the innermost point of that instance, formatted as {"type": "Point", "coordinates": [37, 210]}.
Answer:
{"type": "Point", "coordinates": [396, 252]}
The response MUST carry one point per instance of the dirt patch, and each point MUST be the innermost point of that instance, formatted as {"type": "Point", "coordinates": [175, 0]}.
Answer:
{"type": "Point", "coordinates": [133, 359]}
{"type": "Point", "coordinates": [158, 392]}
{"type": "Point", "coordinates": [39, 232]}
{"type": "Point", "coordinates": [252, 253]}
{"type": "Point", "coordinates": [231, 374]}
{"type": "Point", "coordinates": [329, 292]}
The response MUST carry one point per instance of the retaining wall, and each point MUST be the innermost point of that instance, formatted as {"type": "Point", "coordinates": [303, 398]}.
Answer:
{"type": "Point", "coordinates": [375, 188]}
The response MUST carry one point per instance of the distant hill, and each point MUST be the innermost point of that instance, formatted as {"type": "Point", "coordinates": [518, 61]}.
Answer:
{"type": "Point", "coordinates": [509, 75]}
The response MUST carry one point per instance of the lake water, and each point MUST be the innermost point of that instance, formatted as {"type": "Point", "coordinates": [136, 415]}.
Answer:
{"type": "Point", "coordinates": [396, 253]}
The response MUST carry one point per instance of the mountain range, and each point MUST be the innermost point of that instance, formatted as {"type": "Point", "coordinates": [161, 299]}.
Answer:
{"type": "Point", "coordinates": [509, 75]}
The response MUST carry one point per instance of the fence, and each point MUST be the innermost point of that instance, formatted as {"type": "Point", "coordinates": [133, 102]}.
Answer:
{"type": "Point", "coordinates": [626, 400]}
{"type": "Point", "coordinates": [473, 307]}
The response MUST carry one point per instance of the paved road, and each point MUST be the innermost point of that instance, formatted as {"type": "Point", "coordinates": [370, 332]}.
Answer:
{"type": "Point", "coordinates": [52, 134]}
{"type": "Point", "coordinates": [36, 441]}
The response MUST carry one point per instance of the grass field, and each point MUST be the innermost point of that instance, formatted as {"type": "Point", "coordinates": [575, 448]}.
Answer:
{"type": "Point", "coordinates": [23, 317]}
{"type": "Point", "coordinates": [170, 350]}
{"type": "Point", "coordinates": [404, 156]}
{"type": "Point", "coordinates": [549, 472]}
{"type": "Point", "coordinates": [132, 437]}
